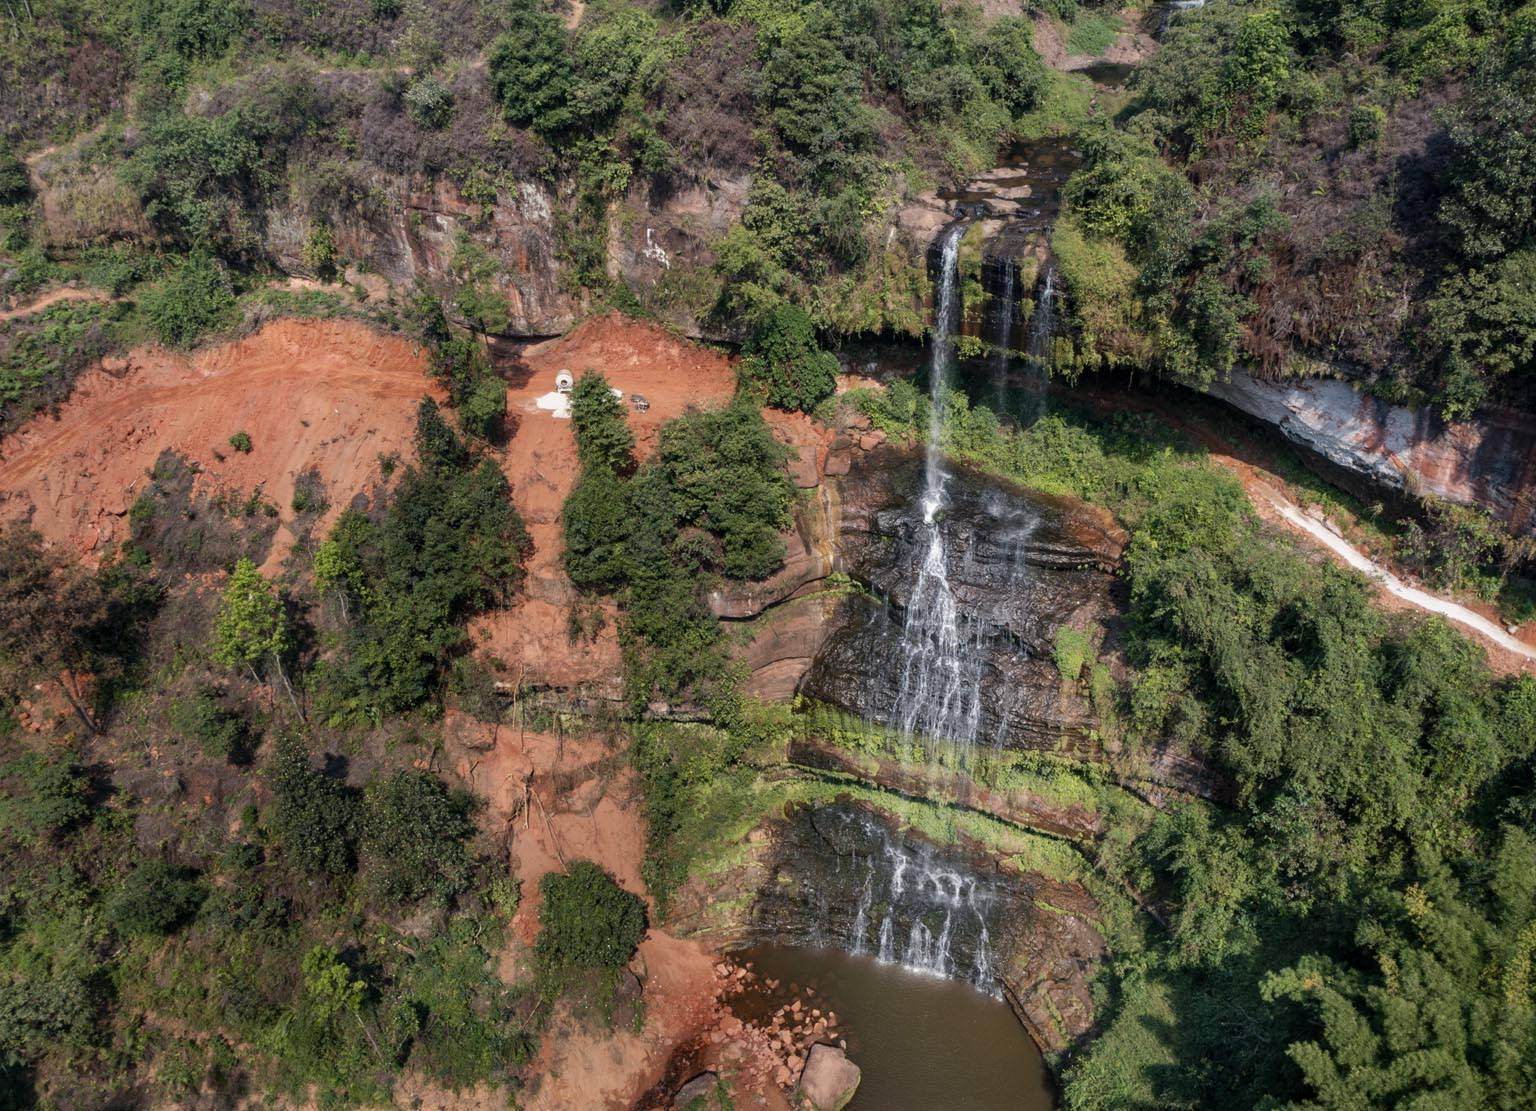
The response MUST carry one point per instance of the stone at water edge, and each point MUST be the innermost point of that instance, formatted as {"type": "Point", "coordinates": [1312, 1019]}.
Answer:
{"type": "Point", "coordinates": [829, 1079]}
{"type": "Point", "coordinates": [702, 1093]}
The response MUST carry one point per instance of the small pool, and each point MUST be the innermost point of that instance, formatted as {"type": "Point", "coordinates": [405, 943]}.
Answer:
{"type": "Point", "coordinates": [923, 1042]}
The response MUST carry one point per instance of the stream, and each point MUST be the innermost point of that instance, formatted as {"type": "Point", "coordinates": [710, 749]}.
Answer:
{"type": "Point", "coordinates": [924, 1042]}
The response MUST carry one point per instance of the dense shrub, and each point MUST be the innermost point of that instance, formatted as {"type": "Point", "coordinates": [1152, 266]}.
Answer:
{"type": "Point", "coordinates": [448, 544]}
{"type": "Point", "coordinates": [222, 732]}
{"type": "Point", "coordinates": [783, 362]}
{"type": "Point", "coordinates": [597, 521]}
{"type": "Point", "coordinates": [413, 834]}
{"type": "Point", "coordinates": [313, 816]}
{"type": "Point", "coordinates": [603, 436]}
{"type": "Point", "coordinates": [51, 796]}
{"type": "Point", "coordinates": [531, 69]}
{"type": "Point", "coordinates": [587, 921]}
{"type": "Point", "coordinates": [155, 898]}
{"type": "Point", "coordinates": [429, 102]}
{"type": "Point", "coordinates": [726, 472]}
{"type": "Point", "coordinates": [196, 299]}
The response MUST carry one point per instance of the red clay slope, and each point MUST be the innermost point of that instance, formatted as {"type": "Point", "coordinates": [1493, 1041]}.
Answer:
{"type": "Point", "coordinates": [333, 395]}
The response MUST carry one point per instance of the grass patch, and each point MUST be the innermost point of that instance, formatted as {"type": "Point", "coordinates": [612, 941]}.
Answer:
{"type": "Point", "coordinates": [1092, 33]}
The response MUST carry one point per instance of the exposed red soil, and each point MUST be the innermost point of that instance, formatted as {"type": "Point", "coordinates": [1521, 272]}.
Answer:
{"type": "Point", "coordinates": [532, 637]}
{"type": "Point", "coordinates": [333, 395]}
{"type": "Point", "coordinates": [560, 799]}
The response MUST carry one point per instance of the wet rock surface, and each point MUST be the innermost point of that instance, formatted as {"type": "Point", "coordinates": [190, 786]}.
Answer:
{"type": "Point", "coordinates": [1021, 564]}
{"type": "Point", "coordinates": [846, 876]}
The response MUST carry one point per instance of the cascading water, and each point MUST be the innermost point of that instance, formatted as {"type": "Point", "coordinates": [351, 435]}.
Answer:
{"type": "Point", "coordinates": [1042, 326]}
{"type": "Point", "coordinates": [940, 688]}
{"type": "Point", "coordinates": [939, 904]}
{"type": "Point", "coordinates": [1001, 350]}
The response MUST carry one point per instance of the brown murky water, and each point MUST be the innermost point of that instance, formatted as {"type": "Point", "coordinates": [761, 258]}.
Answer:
{"type": "Point", "coordinates": [924, 1043]}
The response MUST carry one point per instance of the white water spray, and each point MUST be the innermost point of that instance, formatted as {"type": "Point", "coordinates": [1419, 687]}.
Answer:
{"type": "Point", "coordinates": [940, 690]}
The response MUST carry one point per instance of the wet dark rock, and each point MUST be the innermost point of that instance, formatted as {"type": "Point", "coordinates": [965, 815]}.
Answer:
{"type": "Point", "coordinates": [1021, 564]}
{"type": "Point", "coordinates": [843, 874]}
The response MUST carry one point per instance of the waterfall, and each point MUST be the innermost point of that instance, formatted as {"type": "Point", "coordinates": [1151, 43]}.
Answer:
{"type": "Point", "coordinates": [940, 688]}
{"type": "Point", "coordinates": [932, 918]}
{"type": "Point", "coordinates": [1000, 352]}
{"type": "Point", "coordinates": [1042, 326]}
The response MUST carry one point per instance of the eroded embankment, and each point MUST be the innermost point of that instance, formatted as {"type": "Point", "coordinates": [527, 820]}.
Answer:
{"type": "Point", "coordinates": [335, 397]}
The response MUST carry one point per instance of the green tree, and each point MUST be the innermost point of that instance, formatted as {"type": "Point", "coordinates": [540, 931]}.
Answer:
{"type": "Point", "coordinates": [197, 298]}
{"type": "Point", "coordinates": [587, 921]}
{"type": "Point", "coordinates": [603, 436]}
{"type": "Point", "coordinates": [413, 838]}
{"type": "Point", "coordinates": [429, 102]}
{"type": "Point", "coordinates": [331, 987]}
{"type": "Point", "coordinates": [1491, 207]}
{"type": "Point", "coordinates": [251, 625]}
{"type": "Point", "coordinates": [783, 362]}
{"type": "Point", "coordinates": [313, 816]}
{"type": "Point", "coordinates": [531, 71]}
{"type": "Point", "coordinates": [596, 521]}
{"type": "Point", "coordinates": [484, 410]}
{"type": "Point", "coordinates": [155, 899]}
{"type": "Point", "coordinates": [55, 796]}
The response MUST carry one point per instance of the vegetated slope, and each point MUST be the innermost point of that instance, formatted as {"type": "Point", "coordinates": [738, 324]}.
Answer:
{"type": "Point", "coordinates": [1318, 188]}
{"type": "Point", "coordinates": [335, 398]}
{"type": "Point", "coordinates": [532, 637]}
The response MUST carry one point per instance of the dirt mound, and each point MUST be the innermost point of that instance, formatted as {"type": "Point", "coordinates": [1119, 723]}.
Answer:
{"type": "Point", "coordinates": [532, 638]}
{"type": "Point", "coordinates": [330, 395]}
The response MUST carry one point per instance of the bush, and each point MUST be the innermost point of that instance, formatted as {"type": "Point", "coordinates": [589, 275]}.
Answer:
{"type": "Point", "coordinates": [484, 410]}
{"type": "Point", "coordinates": [241, 442]}
{"type": "Point", "coordinates": [603, 436]}
{"type": "Point", "coordinates": [429, 103]}
{"type": "Point", "coordinates": [196, 299]}
{"type": "Point", "coordinates": [312, 815]}
{"type": "Point", "coordinates": [531, 70]}
{"type": "Point", "coordinates": [1366, 123]}
{"type": "Point", "coordinates": [309, 493]}
{"type": "Point", "coordinates": [449, 544]}
{"type": "Point", "coordinates": [155, 899]}
{"type": "Point", "coordinates": [413, 835]}
{"type": "Point", "coordinates": [222, 733]}
{"type": "Point", "coordinates": [587, 921]}
{"type": "Point", "coordinates": [320, 253]}
{"type": "Point", "coordinates": [726, 473]}
{"type": "Point", "coordinates": [55, 796]}
{"type": "Point", "coordinates": [596, 519]}
{"type": "Point", "coordinates": [784, 364]}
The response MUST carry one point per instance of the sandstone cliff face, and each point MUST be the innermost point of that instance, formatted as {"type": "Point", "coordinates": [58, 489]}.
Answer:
{"type": "Point", "coordinates": [1489, 462]}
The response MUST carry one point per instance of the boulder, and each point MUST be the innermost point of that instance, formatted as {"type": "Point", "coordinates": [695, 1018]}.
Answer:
{"type": "Point", "coordinates": [702, 1093]}
{"type": "Point", "coordinates": [829, 1078]}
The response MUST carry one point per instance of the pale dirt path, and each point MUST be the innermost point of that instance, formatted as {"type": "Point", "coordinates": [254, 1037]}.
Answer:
{"type": "Point", "coordinates": [54, 297]}
{"type": "Point", "coordinates": [1431, 603]}
{"type": "Point", "coordinates": [1506, 654]}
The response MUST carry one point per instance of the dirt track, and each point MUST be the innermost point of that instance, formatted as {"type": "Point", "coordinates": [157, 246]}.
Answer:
{"type": "Point", "coordinates": [333, 395]}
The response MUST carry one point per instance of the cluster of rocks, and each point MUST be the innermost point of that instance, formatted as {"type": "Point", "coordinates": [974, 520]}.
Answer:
{"type": "Point", "coordinates": [796, 1047]}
